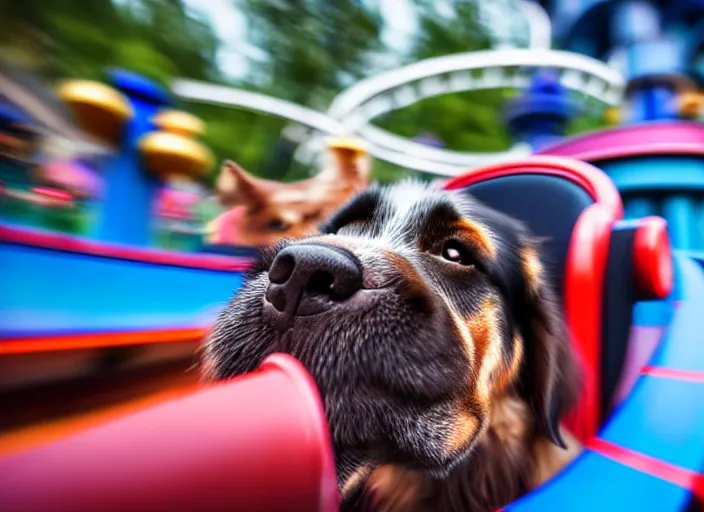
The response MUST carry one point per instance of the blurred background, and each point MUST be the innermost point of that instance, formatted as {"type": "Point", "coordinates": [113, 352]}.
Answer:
{"type": "Point", "coordinates": [305, 52]}
{"type": "Point", "coordinates": [120, 236]}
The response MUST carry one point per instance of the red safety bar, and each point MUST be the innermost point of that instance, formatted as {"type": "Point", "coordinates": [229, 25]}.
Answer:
{"type": "Point", "coordinates": [257, 443]}
{"type": "Point", "coordinates": [585, 272]}
{"type": "Point", "coordinates": [653, 258]}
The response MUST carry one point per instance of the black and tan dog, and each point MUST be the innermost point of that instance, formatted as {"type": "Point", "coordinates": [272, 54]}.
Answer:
{"type": "Point", "coordinates": [436, 343]}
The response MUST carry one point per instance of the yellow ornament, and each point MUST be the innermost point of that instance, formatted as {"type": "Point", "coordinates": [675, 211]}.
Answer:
{"type": "Point", "coordinates": [101, 110]}
{"type": "Point", "coordinates": [612, 115]}
{"type": "Point", "coordinates": [177, 121]}
{"type": "Point", "coordinates": [690, 105]}
{"type": "Point", "coordinates": [170, 154]}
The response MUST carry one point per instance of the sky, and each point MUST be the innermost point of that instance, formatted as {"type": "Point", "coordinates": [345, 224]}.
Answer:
{"type": "Point", "coordinates": [229, 26]}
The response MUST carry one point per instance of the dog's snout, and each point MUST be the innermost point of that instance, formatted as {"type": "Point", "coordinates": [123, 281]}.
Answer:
{"type": "Point", "coordinates": [308, 279]}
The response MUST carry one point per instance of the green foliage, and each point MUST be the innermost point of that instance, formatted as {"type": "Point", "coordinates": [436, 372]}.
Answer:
{"type": "Point", "coordinates": [468, 121]}
{"type": "Point", "coordinates": [591, 118]}
{"type": "Point", "coordinates": [310, 47]}
{"type": "Point", "coordinates": [444, 33]}
{"type": "Point", "coordinates": [157, 38]}
{"type": "Point", "coordinates": [241, 135]}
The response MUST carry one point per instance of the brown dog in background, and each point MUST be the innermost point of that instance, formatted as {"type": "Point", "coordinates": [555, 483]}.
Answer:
{"type": "Point", "coordinates": [262, 212]}
{"type": "Point", "coordinates": [431, 330]}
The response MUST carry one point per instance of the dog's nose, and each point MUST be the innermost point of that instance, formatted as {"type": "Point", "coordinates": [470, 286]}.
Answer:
{"type": "Point", "coordinates": [309, 279]}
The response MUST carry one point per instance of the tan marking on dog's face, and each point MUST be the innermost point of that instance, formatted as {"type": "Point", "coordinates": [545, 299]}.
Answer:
{"type": "Point", "coordinates": [488, 342]}
{"type": "Point", "coordinates": [404, 267]}
{"type": "Point", "coordinates": [482, 337]}
{"type": "Point", "coordinates": [413, 284]}
{"type": "Point", "coordinates": [507, 376]}
{"type": "Point", "coordinates": [464, 430]}
{"type": "Point", "coordinates": [478, 235]}
{"type": "Point", "coordinates": [464, 333]}
{"type": "Point", "coordinates": [532, 269]}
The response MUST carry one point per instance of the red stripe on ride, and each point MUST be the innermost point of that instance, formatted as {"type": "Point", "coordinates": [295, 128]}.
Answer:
{"type": "Point", "coordinates": [650, 465]}
{"type": "Point", "coordinates": [98, 340]}
{"type": "Point", "coordinates": [77, 245]}
{"type": "Point", "coordinates": [671, 373]}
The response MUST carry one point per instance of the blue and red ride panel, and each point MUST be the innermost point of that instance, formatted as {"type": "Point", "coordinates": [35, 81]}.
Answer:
{"type": "Point", "coordinates": [51, 292]}
{"type": "Point", "coordinates": [650, 454]}
{"type": "Point", "coordinates": [594, 482]}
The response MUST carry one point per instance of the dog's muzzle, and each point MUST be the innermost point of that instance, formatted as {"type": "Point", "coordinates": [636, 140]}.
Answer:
{"type": "Point", "coordinates": [307, 279]}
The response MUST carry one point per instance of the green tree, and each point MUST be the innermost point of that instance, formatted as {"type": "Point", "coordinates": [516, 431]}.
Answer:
{"type": "Point", "coordinates": [468, 121]}
{"type": "Point", "coordinates": [453, 28]}
{"type": "Point", "coordinates": [241, 135]}
{"type": "Point", "coordinates": [65, 38]}
{"type": "Point", "coordinates": [311, 48]}
{"type": "Point", "coordinates": [309, 51]}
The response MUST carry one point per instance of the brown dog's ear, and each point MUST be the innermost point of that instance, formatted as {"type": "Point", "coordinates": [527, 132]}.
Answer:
{"type": "Point", "coordinates": [549, 379]}
{"type": "Point", "coordinates": [346, 161]}
{"type": "Point", "coordinates": [236, 186]}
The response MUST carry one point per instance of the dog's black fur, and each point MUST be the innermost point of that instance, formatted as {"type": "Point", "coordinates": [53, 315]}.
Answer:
{"type": "Point", "coordinates": [454, 320]}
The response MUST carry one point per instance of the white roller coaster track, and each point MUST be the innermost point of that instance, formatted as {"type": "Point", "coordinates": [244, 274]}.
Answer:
{"type": "Point", "coordinates": [228, 96]}
{"type": "Point", "coordinates": [194, 90]}
{"type": "Point", "coordinates": [539, 24]}
{"type": "Point", "coordinates": [352, 110]}
{"type": "Point", "coordinates": [469, 72]}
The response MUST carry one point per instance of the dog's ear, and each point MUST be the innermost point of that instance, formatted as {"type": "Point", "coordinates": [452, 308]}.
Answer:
{"type": "Point", "coordinates": [346, 164]}
{"type": "Point", "coordinates": [549, 378]}
{"type": "Point", "coordinates": [236, 186]}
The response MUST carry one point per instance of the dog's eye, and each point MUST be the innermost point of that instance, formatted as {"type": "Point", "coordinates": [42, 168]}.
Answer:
{"type": "Point", "coordinates": [455, 252]}
{"type": "Point", "coordinates": [277, 225]}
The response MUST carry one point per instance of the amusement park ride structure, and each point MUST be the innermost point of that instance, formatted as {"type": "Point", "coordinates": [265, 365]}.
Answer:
{"type": "Point", "coordinates": [353, 109]}
{"type": "Point", "coordinates": [628, 297]}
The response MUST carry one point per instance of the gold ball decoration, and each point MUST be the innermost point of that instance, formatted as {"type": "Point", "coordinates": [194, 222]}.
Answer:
{"type": "Point", "coordinates": [612, 115]}
{"type": "Point", "coordinates": [350, 143]}
{"type": "Point", "coordinates": [101, 110]}
{"type": "Point", "coordinates": [690, 105]}
{"type": "Point", "coordinates": [177, 121]}
{"type": "Point", "coordinates": [171, 154]}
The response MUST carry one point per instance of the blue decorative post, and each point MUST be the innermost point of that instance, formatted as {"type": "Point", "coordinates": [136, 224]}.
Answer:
{"type": "Point", "coordinates": [540, 115]}
{"type": "Point", "coordinates": [153, 144]}
{"type": "Point", "coordinates": [130, 190]}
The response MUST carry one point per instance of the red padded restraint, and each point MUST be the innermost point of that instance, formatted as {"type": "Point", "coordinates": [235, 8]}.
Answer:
{"type": "Point", "coordinates": [259, 442]}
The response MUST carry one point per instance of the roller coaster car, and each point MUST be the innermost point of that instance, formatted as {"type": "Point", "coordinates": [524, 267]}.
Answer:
{"type": "Point", "coordinates": [260, 442]}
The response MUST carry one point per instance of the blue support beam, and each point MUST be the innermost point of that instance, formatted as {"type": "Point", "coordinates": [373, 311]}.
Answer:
{"type": "Point", "coordinates": [131, 190]}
